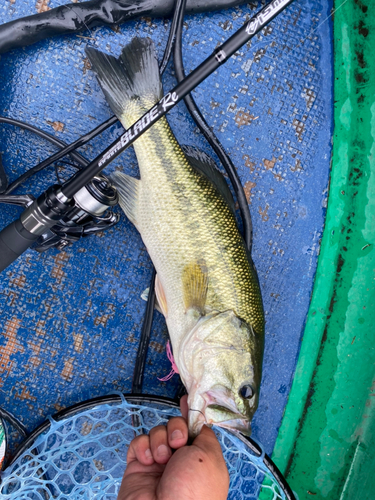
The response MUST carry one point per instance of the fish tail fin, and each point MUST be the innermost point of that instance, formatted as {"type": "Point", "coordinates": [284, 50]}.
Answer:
{"type": "Point", "coordinates": [131, 83]}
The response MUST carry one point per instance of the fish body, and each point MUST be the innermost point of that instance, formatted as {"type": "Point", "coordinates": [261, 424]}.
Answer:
{"type": "Point", "coordinates": [206, 284]}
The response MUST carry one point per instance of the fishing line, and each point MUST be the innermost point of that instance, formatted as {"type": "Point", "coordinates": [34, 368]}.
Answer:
{"type": "Point", "coordinates": [192, 409]}
{"type": "Point", "coordinates": [68, 163]}
{"type": "Point", "coordinates": [289, 50]}
{"type": "Point", "coordinates": [57, 175]}
{"type": "Point", "coordinates": [51, 206]}
{"type": "Point", "coordinates": [59, 165]}
{"type": "Point", "coordinates": [326, 19]}
{"type": "Point", "coordinates": [76, 13]}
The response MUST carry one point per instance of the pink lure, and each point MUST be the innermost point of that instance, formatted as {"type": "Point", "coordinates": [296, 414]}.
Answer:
{"type": "Point", "coordinates": [174, 366]}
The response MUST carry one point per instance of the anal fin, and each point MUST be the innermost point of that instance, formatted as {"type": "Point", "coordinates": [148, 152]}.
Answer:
{"type": "Point", "coordinates": [128, 190]}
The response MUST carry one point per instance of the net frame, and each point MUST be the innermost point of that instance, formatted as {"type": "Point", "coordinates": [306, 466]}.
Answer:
{"type": "Point", "coordinates": [31, 461]}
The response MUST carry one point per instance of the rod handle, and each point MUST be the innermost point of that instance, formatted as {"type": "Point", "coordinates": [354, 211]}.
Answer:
{"type": "Point", "coordinates": [14, 240]}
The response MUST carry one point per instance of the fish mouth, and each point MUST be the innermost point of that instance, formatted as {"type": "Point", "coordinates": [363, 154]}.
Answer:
{"type": "Point", "coordinates": [237, 425]}
{"type": "Point", "coordinates": [216, 414]}
{"type": "Point", "coordinates": [223, 416]}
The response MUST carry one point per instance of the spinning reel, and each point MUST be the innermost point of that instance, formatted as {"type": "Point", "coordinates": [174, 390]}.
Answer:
{"type": "Point", "coordinates": [89, 213]}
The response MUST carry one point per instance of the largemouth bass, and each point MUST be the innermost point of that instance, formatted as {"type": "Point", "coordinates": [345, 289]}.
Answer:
{"type": "Point", "coordinates": [206, 284]}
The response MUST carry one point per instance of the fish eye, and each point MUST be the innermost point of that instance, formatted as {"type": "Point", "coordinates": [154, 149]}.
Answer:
{"type": "Point", "coordinates": [246, 392]}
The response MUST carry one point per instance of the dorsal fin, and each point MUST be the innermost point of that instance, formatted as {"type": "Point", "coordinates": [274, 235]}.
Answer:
{"type": "Point", "coordinates": [206, 166]}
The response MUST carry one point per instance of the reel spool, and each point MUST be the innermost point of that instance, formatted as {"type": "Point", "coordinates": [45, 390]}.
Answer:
{"type": "Point", "coordinates": [89, 215]}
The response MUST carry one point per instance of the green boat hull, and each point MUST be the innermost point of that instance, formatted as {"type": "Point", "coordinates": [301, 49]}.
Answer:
{"type": "Point", "coordinates": [326, 441]}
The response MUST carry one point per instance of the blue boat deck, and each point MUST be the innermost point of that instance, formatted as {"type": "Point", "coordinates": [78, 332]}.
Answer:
{"type": "Point", "coordinates": [71, 320]}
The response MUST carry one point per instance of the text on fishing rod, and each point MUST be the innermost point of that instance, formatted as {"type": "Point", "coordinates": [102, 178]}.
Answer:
{"type": "Point", "coordinates": [135, 130]}
{"type": "Point", "coordinates": [258, 22]}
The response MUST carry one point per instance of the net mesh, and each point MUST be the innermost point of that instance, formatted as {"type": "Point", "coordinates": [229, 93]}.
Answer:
{"type": "Point", "coordinates": [84, 457]}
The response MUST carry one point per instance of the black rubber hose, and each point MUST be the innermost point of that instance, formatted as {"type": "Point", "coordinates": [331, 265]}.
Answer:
{"type": "Point", "coordinates": [45, 135]}
{"type": "Point", "coordinates": [212, 139]}
{"type": "Point", "coordinates": [76, 17]}
{"type": "Point", "coordinates": [67, 149]}
{"type": "Point", "coordinates": [172, 37]}
{"type": "Point", "coordinates": [3, 178]}
{"type": "Point", "coordinates": [144, 340]}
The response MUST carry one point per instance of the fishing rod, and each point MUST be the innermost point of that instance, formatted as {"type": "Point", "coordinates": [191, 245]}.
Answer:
{"type": "Point", "coordinates": [56, 201]}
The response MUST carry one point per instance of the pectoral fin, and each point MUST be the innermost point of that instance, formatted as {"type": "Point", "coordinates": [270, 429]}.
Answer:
{"type": "Point", "coordinates": [194, 283]}
{"type": "Point", "coordinates": [128, 188]}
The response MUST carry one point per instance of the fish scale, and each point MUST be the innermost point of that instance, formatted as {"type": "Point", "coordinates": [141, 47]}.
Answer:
{"type": "Point", "coordinates": [164, 220]}
{"type": "Point", "coordinates": [206, 284]}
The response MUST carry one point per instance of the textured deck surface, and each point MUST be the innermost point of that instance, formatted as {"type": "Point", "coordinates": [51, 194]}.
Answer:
{"type": "Point", "coordinates": [70, 321]}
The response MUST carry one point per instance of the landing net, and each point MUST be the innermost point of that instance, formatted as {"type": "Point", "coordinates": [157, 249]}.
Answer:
{"type": "Point", "coordinates": [84, 456]}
